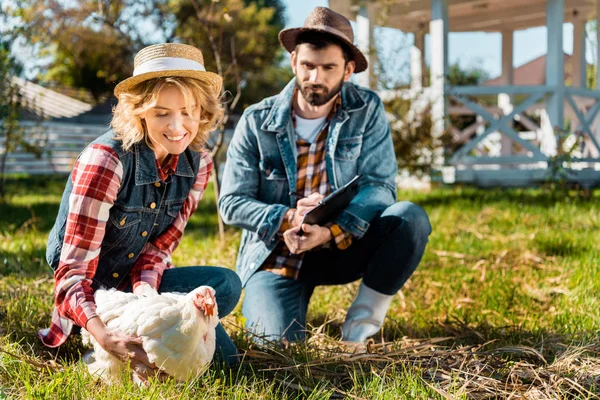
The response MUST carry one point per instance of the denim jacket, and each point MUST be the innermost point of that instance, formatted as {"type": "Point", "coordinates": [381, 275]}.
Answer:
{"type": "Point", "coordinates": [140, 186]}
{"type": "Point", "coordinates": [261, 169]}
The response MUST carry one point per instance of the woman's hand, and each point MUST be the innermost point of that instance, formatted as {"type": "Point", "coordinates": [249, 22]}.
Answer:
{"type": "Point", "coordinates": [118, 344]}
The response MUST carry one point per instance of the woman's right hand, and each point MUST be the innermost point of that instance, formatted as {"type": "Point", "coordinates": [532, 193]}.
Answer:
{"type": "Point", "coordinates": [118, 344]}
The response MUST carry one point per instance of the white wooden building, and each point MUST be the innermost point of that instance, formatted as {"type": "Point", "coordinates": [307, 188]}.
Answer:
{"type": "Point", "coordinates": [492, 151]}
{"type": "Point", "coordinates": [59, 143]}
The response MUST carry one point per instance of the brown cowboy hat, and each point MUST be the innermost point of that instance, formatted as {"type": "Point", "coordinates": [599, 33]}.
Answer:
{"type": "Point", "coordinates": [169, 60]}
{"type": "Point", "coordinates": [325, 20]}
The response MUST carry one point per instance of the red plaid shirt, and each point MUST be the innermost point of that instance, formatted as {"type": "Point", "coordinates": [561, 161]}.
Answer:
{"type": "Point", "coordinates": [96, 181]}
{"type": "Point", "coordinates": [311, 178]}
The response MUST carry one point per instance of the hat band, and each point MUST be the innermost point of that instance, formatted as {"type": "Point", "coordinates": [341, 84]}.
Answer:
{"type": "Point", "coordinates": [331, 30]}
{"type": "Point", "coordinates": [168, 64]}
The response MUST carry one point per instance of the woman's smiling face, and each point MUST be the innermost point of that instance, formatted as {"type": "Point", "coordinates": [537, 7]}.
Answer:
{"type": "Point", "coordinates": [170, 127]}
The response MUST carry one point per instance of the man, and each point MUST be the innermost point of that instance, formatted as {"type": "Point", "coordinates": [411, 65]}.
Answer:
{"type": "Point", "coordinates": [310, 139]}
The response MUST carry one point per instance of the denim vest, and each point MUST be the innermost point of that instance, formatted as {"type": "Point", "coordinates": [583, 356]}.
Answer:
{"type": "Point", "coordinates": [144, 208]}
{"type": "Point", "coordinates": [261, 168]}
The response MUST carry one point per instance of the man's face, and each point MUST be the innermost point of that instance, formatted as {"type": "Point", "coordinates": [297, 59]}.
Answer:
{"type": "Point", "coordinates": [320, 73]}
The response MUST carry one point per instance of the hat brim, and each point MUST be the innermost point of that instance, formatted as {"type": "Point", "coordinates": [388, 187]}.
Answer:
{"type": "Point", "coordinates": [287, 38]}
{"type": "Point", "coordinates": [214, 81]}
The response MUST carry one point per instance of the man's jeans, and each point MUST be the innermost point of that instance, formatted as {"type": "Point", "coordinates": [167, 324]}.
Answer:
{"type": "Point", "coordinates": [227, 287]}
{"type": "Point", "coordinates": [275, 307]}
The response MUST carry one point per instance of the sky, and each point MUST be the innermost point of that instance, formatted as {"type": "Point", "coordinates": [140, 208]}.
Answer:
{"type": "Point", "coordinates": [469, 49]}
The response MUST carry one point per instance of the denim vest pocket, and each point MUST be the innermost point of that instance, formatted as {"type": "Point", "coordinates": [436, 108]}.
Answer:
{"type": "Point", "coordinates": [174, 208]}
{"type": "Point", "coordinates": [122, 226]}
{"type": "Point", "coordinates": [348, 149]}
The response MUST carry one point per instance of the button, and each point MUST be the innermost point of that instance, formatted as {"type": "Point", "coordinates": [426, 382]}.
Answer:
{"type": "Point", "coordinates": [115, 275]}
{"type": "Point", "coordinates": [157, 184]}
{"type": "Point", "coordinates": [144, 234]}
{"type": "Point", "coordinates": [130, 255]}
{"type": "Point", "coordinates": [123, 221]}
{"type": "Point", "coordinates": [153, 205]}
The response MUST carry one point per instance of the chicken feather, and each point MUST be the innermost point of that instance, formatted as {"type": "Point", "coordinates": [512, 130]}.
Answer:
{"type": "Point", "coordinates": [177, 334]}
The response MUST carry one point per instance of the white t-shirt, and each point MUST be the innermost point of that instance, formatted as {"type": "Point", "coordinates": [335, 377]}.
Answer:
{"type": "Point", "coordinates": [309, 129]}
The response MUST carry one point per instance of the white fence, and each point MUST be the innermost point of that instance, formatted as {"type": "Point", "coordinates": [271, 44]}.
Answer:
{"type": "Point", "coordinates": [59, 144]}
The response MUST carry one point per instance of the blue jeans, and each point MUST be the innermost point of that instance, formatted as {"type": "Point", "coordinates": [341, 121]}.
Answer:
{"type": "Point", "coordinates": [228, 288]}
{"type": "Point", "coordinates": [384, 258]}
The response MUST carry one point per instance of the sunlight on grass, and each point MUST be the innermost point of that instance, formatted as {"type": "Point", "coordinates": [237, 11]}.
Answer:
{"type": "Point", "coordinates": [506, 267]}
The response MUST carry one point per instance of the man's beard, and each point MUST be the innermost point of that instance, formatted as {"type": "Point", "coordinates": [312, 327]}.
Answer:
{"type": "Point", "coordinates": [318, 99]}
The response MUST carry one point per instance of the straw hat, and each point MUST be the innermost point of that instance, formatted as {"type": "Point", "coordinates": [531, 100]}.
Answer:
{"type": "Point", "coordinates": [169, 60]}
{"type": "Point", "coordinates": [325, 20]}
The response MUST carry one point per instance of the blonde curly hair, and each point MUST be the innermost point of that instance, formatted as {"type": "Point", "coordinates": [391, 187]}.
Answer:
{"type": "Point", "coordinates": [129, 126]}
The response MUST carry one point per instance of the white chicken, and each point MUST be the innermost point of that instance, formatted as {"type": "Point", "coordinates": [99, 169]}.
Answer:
{"type": "Point", "coordinates": [177, 330]}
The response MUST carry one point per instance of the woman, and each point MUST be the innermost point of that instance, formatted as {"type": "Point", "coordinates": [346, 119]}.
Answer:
{"type": "Point", "coordinates": [130, 196]}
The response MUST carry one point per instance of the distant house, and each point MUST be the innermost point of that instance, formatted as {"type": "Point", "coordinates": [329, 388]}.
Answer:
{"type": "Point", "coordinates": [100, 114]}
{"type": "Point", "coordinates": [533, 73]}
{"type": "Point", "coordinates": [54, 124]}
{"type": "Point", "coordinates": [40, 103]}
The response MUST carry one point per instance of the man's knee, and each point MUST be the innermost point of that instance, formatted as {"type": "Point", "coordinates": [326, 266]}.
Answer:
{"type": "Point", "coordinates": [273, 307]}
{"type": "Point", "coordinates": [409, 217]}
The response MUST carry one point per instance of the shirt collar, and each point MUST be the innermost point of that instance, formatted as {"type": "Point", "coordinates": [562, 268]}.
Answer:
{"type": "Point", "coordinates": [169, 168]}
{"type": "Point", "coordinates": [147, 167]}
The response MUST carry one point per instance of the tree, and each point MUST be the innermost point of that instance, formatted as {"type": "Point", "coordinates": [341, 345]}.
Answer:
{"type": "Point", "coordinates": [11, 134]}
{"type": "Point", "coordinates": [89, 44]}
{"type": "Point", "coordinates": [238, 38]}
{"type": "Point", "coordinates": [471, 76]}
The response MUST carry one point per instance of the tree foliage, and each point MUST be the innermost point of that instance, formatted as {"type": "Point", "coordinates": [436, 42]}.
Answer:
{"type": "Point", "coordinates": [90, 43]}
{"type": "Point", "coordinates": [414, 145]}
{"type": "Point", "coordinates": [11, 134]}
{"type": "Point", "coordinates": [239, 41]}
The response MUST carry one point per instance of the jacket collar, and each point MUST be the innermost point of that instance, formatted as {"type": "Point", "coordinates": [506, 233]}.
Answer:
{"type": "Point", "coordinates": [280, 114]}
{"type": "Point", "coordinates": [146, 170]}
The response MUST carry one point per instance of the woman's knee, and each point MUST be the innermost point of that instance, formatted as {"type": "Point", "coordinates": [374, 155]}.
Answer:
{"type": "Point", "coordinates": [228, 291]}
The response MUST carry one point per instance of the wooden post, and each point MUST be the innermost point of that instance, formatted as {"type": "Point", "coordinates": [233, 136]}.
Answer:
{"type": "Point", "coordinates": [555, 62]}
{"type": "Point", "coordinates": [438, 29]}
{"type": "Point", "coordinates": [578, 62]}
{"type": "Point", "coordinates": [364, 35]}
{"type": "Point", "coordinates": [507, 78]}
{"type": "Point", "coordinates": [417, 62]}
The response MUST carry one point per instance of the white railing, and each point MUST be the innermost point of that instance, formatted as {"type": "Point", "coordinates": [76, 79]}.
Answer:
{"type": "Point", "coordinates": [539, 142]}
{"type": "Point", "coordinates": [59, 145]}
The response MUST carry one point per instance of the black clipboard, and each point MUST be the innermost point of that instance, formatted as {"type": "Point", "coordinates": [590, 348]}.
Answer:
{"type": "Point", "coordinates": [332, 205]}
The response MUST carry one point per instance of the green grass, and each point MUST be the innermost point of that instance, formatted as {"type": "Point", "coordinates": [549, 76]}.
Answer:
{"type": "Point", "coordinates": [510, 267]}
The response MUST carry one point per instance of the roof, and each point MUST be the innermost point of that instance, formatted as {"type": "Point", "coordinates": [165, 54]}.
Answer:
{"type": "Point", "coordinates": [100, 114]}
{"type": "Point", "coordinates": [46, 103]}
{"type": "Point", "coordinates": [465, 15]}
{"type": "Point", "coordinates": [532, 73]}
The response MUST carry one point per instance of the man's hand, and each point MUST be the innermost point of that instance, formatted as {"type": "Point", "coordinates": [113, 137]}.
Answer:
{"type": "Point", "coordinates": [303, 206]}
{"type": "Point", "coordinates": [313, 236]}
